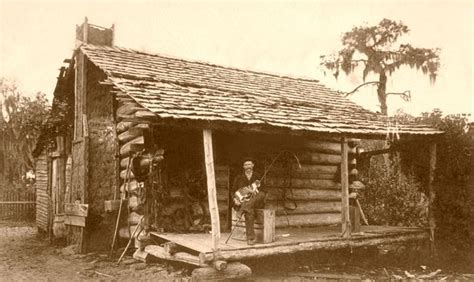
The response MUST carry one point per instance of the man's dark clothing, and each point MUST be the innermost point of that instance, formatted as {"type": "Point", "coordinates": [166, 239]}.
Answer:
{"type": "Point", "coordinates": [248, 207]}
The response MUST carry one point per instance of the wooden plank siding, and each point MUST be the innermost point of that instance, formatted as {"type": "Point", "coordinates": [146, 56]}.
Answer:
{"type": "Point", "coordinates": [42, 194]}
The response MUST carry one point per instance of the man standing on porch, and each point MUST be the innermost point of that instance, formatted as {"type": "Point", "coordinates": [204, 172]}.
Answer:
{"type": "Point", "coordinates": [248, 196]}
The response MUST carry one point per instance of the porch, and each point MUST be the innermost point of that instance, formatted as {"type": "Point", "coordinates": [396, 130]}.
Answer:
{"type": "Point", "coordinates": [197, 249]}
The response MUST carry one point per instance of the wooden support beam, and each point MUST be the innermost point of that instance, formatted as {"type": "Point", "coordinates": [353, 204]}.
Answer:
{"type": "Point", "coordinates": [160, 252]}
{"type": "Point", "coordinates": [211, 189]}
{"type": "Point", "coordinates": [329, 243]}
{"type": "Point", "coordinates": [345, 220]}
{"type": "Point", "coordinates": [431, 193]}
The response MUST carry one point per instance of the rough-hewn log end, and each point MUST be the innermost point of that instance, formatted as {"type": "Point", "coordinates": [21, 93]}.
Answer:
{"type": "Point", "coordinates": [234, 270]}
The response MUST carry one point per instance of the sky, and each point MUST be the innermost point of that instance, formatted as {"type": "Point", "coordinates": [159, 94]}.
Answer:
{"type": "Point", "coordinates": [279, 37]}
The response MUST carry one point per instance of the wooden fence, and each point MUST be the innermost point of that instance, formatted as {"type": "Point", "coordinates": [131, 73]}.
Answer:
{"type": "Point", "coordinates": [17, 205]}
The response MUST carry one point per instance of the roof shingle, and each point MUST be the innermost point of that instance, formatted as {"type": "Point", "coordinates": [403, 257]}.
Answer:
{"type": "Point", "coordinates": [181, 89]}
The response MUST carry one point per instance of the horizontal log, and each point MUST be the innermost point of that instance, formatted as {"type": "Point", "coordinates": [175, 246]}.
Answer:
{"type": "Point", "coordinates": [125, 149]}
{"type": "Point", "coordinates": [134, 218]}
{"type": "Point", "coordinates": [128, 109]}
{"type": "Point", "coordinates": [369, 154]}
{"type": "Point", "coordinates": [233, 271]}
{"type": "Point", "coordinates": [124, 100]}
{"type": "Point", "coordinates": [317, 219]}
{"type": "Point", "coordinates": [323, 146]}
{"type": "Point", "coordinates": [133, 202]}
{"type": "Point", "coordinates": [123, 117]}
{"type": "Point", "coordinates": [297, 173]}
{"type": "Point", "coordinates": [303, 207]}
{"type": "Point", "coordinates": [124, 125]}
{"type": "Point", "coordinates": [132, 187]}
{"type": "Point", "coordinates": [170, 208]}
{"type": "Point", "coordinates": [222, 179]}
{"type": "Point", "coordinates": [303, 183]}
{"type": "Point", "coordinates": [303, 194]}
{"type": "Point", "coordinates": [222, 194]}
{"type": "Point", "coordinates": [124, 174]}
{"type": "Point", "coordinates": [353, 142]}
{"type": "Point", "coordinates": [221, 167]}
{"type": "Point", "coordinates": [119, 94]}
{"type": "Point", "coordinates": [129, 135]}
{"type": "Point", "coordinates": [329, 243]}
{"type": "Point", "coordinates": [144, 114]}
{"type": "Point", "coordinates": [144, 162]}
{"type": "Point", "coordinates": [124, 162]}
{"type": "Point", "coordinates": [319, 158]}
{"type": "Point", "coordinates": [220, 265]}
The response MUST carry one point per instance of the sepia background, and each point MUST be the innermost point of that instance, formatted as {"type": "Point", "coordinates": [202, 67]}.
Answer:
{"type": "Point", "coordinates": [282, 37]}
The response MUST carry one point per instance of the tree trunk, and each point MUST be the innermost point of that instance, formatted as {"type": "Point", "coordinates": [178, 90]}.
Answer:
{"type": "Point", "coordinates": [381, 92]}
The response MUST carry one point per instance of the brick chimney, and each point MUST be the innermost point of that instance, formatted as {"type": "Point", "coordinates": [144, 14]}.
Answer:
{"type": "Point", "coordinates": [94, 34]}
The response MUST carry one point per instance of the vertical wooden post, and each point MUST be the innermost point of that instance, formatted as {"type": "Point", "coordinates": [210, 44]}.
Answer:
{"type": "Point", "coordinates": [431, 193]}
{"type": "Point", "coordinates": [345, 220]}
{"type": "Point", "coordinates": [61, 172]}
{"type": "Point", "coordinates": [211, 188]}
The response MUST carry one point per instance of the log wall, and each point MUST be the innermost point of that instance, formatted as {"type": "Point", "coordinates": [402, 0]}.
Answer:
{"type": "Point", "coordinates": [127, 134]}
{"type": "Point", "coordinates": [306, 196]}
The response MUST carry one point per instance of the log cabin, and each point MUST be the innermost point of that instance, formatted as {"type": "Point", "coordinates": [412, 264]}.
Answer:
{"type": "Point", "coordinates": [185, 126]}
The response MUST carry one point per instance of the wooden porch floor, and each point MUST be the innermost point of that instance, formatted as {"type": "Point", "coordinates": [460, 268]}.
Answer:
{"type": "Point", "coordinates": [291, 240]}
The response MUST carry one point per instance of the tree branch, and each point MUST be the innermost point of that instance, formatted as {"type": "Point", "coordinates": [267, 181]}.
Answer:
{"type": "Point", "coordinates": [357, 88]}
{"type": "Point", "coordinates": [406, 95]}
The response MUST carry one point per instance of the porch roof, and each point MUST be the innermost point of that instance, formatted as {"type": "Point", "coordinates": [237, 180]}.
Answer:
{"type": "Point", "coordinates": [179, 89]}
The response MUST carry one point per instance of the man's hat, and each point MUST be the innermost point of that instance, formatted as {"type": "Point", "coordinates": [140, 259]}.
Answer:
{"type": "Point", "coordinates": [247, 158]}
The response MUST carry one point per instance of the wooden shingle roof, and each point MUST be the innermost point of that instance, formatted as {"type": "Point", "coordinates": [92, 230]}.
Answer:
{"type": "Point", "coordinates": [179, 89]}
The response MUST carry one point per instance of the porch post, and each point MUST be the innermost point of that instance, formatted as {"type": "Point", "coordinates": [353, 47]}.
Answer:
{"type": "Point", "coordinates": [211, 189]}
{"type": "Point", "coordinates": [346, 223]}
{"type": "Point", "coordinates": [431, 193]}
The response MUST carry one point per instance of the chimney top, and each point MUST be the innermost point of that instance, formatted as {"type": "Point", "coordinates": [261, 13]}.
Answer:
{"type": "Point", "coordinates": [94, 34]}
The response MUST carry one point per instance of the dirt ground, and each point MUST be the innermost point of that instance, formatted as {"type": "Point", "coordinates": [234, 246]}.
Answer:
{"type": "Point", "coordinates": [24, 255]}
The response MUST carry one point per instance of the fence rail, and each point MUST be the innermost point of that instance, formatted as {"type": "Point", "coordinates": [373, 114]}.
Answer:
{"type": "Point", "coordinates": [17, 205]}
